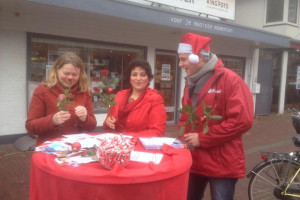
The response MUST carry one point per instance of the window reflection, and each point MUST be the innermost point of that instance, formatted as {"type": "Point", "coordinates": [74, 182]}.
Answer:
{"type": "Point", "coordinates": [96, 56]}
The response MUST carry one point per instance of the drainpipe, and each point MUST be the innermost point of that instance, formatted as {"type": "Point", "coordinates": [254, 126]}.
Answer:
{"type": "Point", "coordinates": [284, 65]}
{"type": "Point", "coordinates": [254, 71]}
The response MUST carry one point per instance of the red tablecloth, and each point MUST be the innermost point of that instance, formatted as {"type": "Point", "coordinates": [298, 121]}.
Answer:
{"type": "Point", "coordinates": [167, 180]}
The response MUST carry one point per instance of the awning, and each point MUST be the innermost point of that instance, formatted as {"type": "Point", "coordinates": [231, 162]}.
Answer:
{"type": "Point", "coordinates": [295, 44]}
{"type": "Point", "coordinates": [154, 15]}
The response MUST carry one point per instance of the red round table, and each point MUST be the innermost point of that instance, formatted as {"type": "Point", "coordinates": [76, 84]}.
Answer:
{"type": "Point", "coordinates": [140, 181]}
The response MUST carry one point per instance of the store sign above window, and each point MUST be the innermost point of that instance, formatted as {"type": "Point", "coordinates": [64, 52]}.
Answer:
{"type": "Point", "coordinates": [219, 8]}
{"type": "Point", "coordinates": [201, 25]}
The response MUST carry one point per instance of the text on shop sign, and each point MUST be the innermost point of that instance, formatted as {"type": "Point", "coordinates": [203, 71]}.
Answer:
{"type": "Point", "coordinates": [202, 25]}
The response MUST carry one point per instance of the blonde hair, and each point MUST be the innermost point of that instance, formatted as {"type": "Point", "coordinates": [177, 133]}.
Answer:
{"type": "Point", "coordinates": [75, 60]}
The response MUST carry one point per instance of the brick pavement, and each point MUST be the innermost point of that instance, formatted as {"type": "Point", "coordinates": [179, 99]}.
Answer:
{"type": "Point", "coordinates": [269, 133]}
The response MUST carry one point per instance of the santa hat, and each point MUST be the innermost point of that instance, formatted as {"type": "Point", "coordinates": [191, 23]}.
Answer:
{"type": "Point", "coordinates": [192, 43]}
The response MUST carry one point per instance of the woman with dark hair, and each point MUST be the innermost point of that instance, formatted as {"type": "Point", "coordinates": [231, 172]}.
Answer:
{"type": "Point", "coordinates": [45, 119]}
{"type": "Point", "coordinates": [140, 110]}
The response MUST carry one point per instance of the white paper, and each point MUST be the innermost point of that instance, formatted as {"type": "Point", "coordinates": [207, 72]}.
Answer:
{"type": "Point", "coordinates": [156, 143]}
{"type": "Point", "coordinates": [157, 140]}
{"type": "Point", "coordinates": [146, 157]}
{"type": "Point", "coordinates": [78, 136]}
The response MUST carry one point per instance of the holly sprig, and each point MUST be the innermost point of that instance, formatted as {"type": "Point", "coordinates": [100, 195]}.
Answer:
{"type": "Point", "coordinates": [193, 119]}
{"type": "Point", "coordinates": [105, 89]}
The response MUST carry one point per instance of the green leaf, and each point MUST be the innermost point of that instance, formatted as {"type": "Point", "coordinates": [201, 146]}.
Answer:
{"type": "Point", "coordinates": [208, 109]}
{"type": "Point", "coordinates": [216, 117]}
{"type": "Point", "coordinates": [101, 86]}
{"type": "Point", "coordinates": [66, 92]}
{"type": "Point", "coordinates": [203, 105]}
{"type": "Point", "coordinates": [205, 129]}
{"type": "Point", "coordinates": [181, 131]}
{"type": "Point", "coordinates": [90, 152]}
{"type": "Point", "coordinates": [62, 107]}
{"type": "Point", "coordinates": [195, 117]}
{"type": "Point", "coordinates": [186, 108]}
{"type": "Point", "coordinates": [113, 103]}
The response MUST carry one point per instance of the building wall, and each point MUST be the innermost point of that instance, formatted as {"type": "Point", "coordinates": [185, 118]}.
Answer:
{"type": "Point", "coordinates": [250, 13]}
{"type": "Point", "coordinates": [12, 82]}
{"type": "Point", "coordinates": [253, 14]}
{"type": "Point", "coordinates": [57, 21]}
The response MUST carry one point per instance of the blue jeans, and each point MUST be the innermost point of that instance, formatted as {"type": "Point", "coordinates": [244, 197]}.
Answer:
{"type": "Point", "coordinates": [220, 188]}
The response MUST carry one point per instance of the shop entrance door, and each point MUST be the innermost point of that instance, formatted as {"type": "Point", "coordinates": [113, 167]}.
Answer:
{"type": "Point", "coordinates": [264, 78]}
{"type": "Point", "coordinates": [165, 81]}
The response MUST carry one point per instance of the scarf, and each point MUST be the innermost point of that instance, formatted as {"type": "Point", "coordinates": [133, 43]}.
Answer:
{"type": "Point", "coordinates": [125, 107]}
{"type": "Point", "coordinates": [197, 81]}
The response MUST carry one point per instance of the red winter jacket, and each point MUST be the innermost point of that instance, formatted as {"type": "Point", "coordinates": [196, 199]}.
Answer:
{"type": "Point", "coordinates": [221, 151]}
{"type": "Point", "coordinates": [148, 118]}
{"type": "Point", "coordinates": [44, 105]}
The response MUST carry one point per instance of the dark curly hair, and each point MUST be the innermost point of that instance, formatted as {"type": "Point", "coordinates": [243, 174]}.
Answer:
{"type": "Point", "coordinates": [139, 63]}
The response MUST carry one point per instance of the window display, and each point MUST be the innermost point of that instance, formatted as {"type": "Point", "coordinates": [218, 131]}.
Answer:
{"type": "Point", "coordinates": [97, 56]}
{"type": "Point", "coordinates": [165, 80]}
{"type": "Point", "coordinates": [236, 64]}
{"type": "Point", "coordinates": [292, 91]}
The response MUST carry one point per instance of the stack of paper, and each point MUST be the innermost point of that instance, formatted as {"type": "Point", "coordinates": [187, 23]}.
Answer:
{"type": "Point", "coordinates": [156, 143]}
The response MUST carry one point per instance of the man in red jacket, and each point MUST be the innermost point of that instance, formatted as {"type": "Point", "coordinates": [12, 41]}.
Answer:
{"type": "Point", "coordinates": [218, 156]}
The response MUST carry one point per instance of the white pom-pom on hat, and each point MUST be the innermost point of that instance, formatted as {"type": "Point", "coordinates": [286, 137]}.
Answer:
{"type": "Point", "coordinates": [192, 44]}
{"type": "Point", "coordinates": [193, 58]}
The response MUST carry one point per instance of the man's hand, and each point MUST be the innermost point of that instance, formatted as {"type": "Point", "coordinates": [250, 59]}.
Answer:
{"type": "Point", "coordinates": [192, 138]}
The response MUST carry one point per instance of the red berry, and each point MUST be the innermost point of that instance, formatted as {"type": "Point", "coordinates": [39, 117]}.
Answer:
{"type": "Point", "coordinates": [110, 90]}
{"type": "Point", "coordinates": [203, 119]}
{"type": "Point", "coordinates": [76, 146]}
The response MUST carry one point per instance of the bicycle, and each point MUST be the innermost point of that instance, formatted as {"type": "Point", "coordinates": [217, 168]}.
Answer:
{"type": "Point", "coordinates": [278, 175]}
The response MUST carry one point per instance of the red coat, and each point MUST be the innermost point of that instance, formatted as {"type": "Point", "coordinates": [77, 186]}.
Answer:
{"type": "Point", "coordinates": [221, 152]}
{"type": "Point", "coordinates": [43, 107]}
{"type": "Point", "coordinates": [147, 118]}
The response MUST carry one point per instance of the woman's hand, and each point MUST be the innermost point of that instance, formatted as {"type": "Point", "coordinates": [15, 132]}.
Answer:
{"type": "Point", "coordinates": [60, 117]}
{"type": "Point", "coordinates": [111, 122]}
{"type": "Point", "coordinates": [81, 113]}
{"type": "Point", "coordinates": [192, 138]}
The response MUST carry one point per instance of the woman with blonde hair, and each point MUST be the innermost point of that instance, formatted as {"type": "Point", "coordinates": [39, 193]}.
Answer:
{"type": "Point", "coordinates": [63, 103]}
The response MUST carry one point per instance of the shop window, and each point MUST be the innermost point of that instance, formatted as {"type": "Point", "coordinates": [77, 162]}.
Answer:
{"type": "Point", "coordinates": [165, 80]}
{"type": "Point", "coordinates": [292, 92]}
{"type": "Point", "coordinates": [282, 11]}
{"type": "Point", "coordinates": [97, 56]}
{"type": "Point", "coordinates": [236, 64]}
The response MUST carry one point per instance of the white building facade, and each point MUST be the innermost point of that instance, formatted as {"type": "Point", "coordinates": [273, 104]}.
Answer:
{"type": "Point", "coordinates": [107, 34]}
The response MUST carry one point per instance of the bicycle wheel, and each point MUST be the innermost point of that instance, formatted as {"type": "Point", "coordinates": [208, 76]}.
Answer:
{"type": "Point", "coordinates": [268, 181]}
